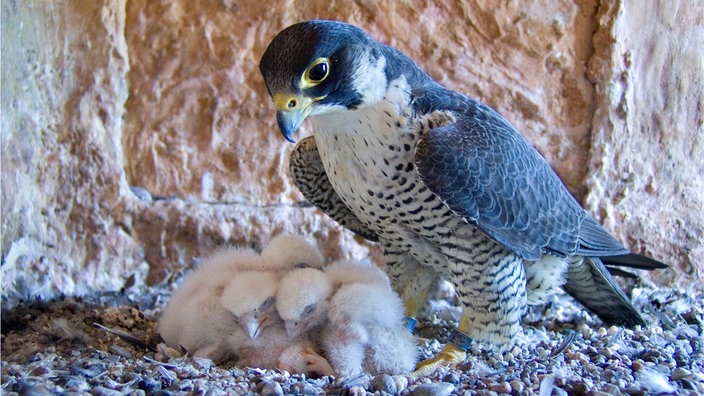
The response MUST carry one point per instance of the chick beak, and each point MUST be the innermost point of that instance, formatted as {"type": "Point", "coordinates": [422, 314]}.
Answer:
{"type": "Point", "coordinates": [251, 324]}
{"type": "Point", "coordinates": [293, 329]}
{"type": "Point", "coordinates": [291, 111]}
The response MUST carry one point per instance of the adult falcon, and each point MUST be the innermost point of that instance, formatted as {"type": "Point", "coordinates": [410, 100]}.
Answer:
{"type": "Point", "coordinates": [447, 186]}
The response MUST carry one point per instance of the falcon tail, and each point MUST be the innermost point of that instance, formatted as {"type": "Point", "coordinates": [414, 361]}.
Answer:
{"type": "Point", "coordinates": [590, 283]}
{"type": "Point", "coordinates": [633, 261]}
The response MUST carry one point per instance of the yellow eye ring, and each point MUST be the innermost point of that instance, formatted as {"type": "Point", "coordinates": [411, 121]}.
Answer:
{"type": "Point", "coordinates": [316, 73]}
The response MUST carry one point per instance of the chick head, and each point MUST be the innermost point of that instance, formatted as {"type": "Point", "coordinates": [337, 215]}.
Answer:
{"type": "Point", "coordinates": [301, 300]}
{"type": "Point", "coordinates": [286, 252]}
{"type": "Point", "coordinates": [249, 297]}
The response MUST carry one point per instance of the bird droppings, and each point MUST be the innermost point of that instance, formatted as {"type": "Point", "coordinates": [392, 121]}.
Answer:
{"type": "Point", "coordinates": [52, 347]}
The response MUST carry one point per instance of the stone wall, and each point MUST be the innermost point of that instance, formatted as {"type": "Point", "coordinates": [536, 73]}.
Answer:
{"type": "Point", "coordinates": [137, 136]}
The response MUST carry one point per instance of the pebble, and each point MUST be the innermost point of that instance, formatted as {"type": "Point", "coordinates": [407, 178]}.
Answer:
{"type": "Point", "coordinates": [304, 388]}
{"type": "Point", "coordinates": [679, 373]}
{"type": "Point", "coordinates": [433, 389]}
{"type": "Point", "coordinates": [401, 382]}
{"type": "Point", "coordinates": [384, 383]}
{"type": "Point", "coordinates": [452, 378]}
{"type": "Point", "coordinates": [502, 387]}
{"type": "Point", "coordinates": [271, 388]}
{"type": "Point", "coordinates": [517, 386]}
{"type": "Point", "coordinates": [606, 352]}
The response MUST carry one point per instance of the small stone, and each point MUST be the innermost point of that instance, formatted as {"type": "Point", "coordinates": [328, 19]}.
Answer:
{"type": "Point", "coordinates": [271, 388]}
{"type": "Point", "coordinates": [356, 391]}
{"type": "Point", "coordinates": [517, 386]}
{"type": "Point", "coordinates": [606, 352]}
{"type": "Point", "coordinates": [452, 378]}
{"type": "Point", "coordinates": [384, 383]}
{"type": "Point", "coordinates": [39, 371]}
{"type": "Point", "coordinates": [586, 332]}
{"type": "Point", "coordinates": [304, 388]}
{"type": "Point", "coordinates": [121, 351]}
{"type": "Point", "coordinates": [578, 388]}
{"type": "Point", "coordinates": [401, 382]}
{"type": "Point", "coordinates": [433, 389]}
{"type": "Point", "coordinates": [542, 352]}
{"type": "Point", "coordinates": [679, 373]}
{"type": "Point", "coordinates": [142, 194]}
{"type": "Point", "coordinates": [516, 351]}
{"type": "Point", "coordinates": [559, 392]}
{"type": "Point", "coordinates": [502, 387]}
{"type": "Point", "coordinates": [149, 385]}
{"type": "Point", "coordinates": [599, 360]}
{"type": "Point", "coordinates": [637, 365]}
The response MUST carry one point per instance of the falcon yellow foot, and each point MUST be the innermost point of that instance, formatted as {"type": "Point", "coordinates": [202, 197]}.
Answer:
{"type": "Point", "coordinates": [450, 355]}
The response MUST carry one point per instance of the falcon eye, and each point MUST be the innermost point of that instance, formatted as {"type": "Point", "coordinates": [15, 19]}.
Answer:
{"type": "Point", "coordinates": [316, 72]}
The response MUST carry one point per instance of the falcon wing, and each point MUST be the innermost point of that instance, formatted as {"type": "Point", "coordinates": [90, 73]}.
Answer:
{"type": "Point", "coordinates": [309, 176]}
{"type": "Point", "coordinates": [488, 174]}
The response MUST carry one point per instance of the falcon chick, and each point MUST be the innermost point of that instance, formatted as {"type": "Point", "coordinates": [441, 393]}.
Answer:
{"type": "Point", "coordinates": [365, 331]}
{"type": "Point", "coordinates": [448, 186]}
{"type": "Point", "coordinates": [350, 307]}
{"type": "Point", "coordinates": [262, 341]}
{"type": "Point", "coordinates": [194, 317]}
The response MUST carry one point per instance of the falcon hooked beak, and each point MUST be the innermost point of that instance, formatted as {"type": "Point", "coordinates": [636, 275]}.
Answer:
{"type": "Point", "coordinates": [291, 110]}
{"type": "Point", "coordinates": [253, 323]}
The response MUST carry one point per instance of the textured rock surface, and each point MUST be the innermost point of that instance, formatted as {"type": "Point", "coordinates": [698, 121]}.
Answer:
{"type": "Point", "coordinates": [165, 95]}
{"type": "Point", "coordinates": [648, 132]}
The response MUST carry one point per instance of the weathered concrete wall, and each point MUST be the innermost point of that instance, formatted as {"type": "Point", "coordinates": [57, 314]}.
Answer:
{"type": "Point", "coordinates": [164, 95]}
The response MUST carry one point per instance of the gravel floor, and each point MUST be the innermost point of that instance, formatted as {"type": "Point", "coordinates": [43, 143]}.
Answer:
{"type": "Point", "coordinates": [58, 347]}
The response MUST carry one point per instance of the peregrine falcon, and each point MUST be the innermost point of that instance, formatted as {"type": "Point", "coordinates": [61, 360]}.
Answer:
{"type": "Point", "coordinates": [449, 187]}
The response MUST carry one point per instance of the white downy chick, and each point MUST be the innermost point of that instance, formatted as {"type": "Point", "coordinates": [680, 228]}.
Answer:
{"type": "Point", "coordinates": [194, 317]}
{"type": "Point", "coordinates": [286, 252]}
{"type": "Point", "coordinates": [365, 332]}
{"type": "Point", "coordinates": [263, 341]}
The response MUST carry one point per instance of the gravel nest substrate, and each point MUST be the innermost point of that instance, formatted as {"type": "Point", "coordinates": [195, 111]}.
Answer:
{"type": "Point", "coordinates": [77, 346]}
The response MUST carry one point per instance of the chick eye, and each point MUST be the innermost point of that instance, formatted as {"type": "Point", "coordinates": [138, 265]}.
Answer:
{"type": "Point", "coordinates": [308, 310]}
{"type": "Point", "coordinates": [266, 304]}
{"type": "Point", "coordinates": [316, 72]}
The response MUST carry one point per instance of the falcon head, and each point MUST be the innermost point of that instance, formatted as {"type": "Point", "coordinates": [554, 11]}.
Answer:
{"type": "Point", "coordinates": [318, 67]}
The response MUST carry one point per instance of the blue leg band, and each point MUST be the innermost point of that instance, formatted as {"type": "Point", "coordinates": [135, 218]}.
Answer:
{"type": "Point", "coordinates": [459, 339]}
{"type": "Point", "coordinates": [410, 323]}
